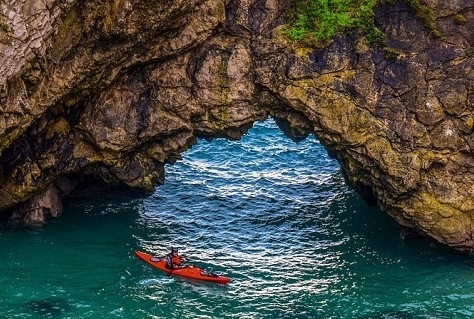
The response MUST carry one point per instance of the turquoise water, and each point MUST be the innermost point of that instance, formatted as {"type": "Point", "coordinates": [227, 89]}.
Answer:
{"type": "Point", "coordinates": [273, 215]}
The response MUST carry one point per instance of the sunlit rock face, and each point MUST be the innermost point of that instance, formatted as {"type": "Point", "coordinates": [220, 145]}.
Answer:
{"type": "Point", "coordinates": [104, 93]}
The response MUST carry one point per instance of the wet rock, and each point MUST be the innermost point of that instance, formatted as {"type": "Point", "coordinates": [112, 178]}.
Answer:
{"type": "Point", "coordinates": [38, 208]}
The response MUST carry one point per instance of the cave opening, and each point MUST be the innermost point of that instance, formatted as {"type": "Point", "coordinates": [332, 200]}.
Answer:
{"type": "Point", "coordinates": [287, 154]}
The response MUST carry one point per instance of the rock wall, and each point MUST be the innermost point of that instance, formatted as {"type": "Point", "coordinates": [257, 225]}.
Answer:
{"type": "Point", "coordinates": [106, 92]}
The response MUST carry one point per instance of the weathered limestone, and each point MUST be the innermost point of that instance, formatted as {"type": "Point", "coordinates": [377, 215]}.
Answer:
{"type": "Point", "coordinates": [110, 91]}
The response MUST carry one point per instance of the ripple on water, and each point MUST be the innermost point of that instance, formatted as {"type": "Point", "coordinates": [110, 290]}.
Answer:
{"type": "Point", "coordinates": [51, 307]}
{"type": "Point", "coordinates": [273, 215]}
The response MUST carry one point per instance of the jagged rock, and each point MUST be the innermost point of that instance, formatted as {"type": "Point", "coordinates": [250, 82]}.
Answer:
{"type": "Point", "coordinates": [38, 208]}
{"type": "Point", "coordinates": [111, 91]}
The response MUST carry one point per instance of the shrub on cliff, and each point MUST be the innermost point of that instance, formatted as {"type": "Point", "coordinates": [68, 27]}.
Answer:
{"type": "Point", "coordinates": [321, 20]}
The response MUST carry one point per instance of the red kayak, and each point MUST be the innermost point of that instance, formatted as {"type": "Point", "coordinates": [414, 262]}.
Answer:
{"type": "Point", "coordinates": [186, 271]}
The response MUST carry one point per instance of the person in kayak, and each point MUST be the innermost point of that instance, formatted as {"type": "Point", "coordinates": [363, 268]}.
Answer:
{"type": "Point", "coordinates": [173, 260]}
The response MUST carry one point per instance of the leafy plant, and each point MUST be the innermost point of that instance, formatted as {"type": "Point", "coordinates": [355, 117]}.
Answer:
{"type": "Point", "coordinates": [321, 20]}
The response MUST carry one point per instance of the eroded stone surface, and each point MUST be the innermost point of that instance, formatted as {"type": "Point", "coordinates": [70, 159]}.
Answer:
{"type": "Point", "coordinates": [114, 90]}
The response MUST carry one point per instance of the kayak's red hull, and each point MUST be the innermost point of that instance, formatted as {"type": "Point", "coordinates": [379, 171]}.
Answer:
{"type": "Point", "coordinates": [187, 272]}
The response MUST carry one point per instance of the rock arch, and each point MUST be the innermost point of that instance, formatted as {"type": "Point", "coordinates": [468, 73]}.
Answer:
{"type": "Point", "coordinates": [116, 90]}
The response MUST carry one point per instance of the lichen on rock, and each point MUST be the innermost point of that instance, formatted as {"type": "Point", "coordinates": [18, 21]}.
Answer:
{"type": "Point", "coordinates": [96, 93]}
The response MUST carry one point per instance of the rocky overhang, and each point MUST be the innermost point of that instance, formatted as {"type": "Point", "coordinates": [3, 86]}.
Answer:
{"type": "Point", "coordinates": [102, 94]}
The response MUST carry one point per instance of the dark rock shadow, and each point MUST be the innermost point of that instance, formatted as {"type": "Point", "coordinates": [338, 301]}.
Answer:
{"type": "Point", "coordinates": [390, 314]}
{"type": "Point", "coordinates": [51, 307]}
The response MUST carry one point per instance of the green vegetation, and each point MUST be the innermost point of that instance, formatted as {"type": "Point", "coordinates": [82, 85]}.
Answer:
{"type": "Point", "coordinates": [321, 20]}
{"type": "Point", "coordinates": [390, 53]}
{"type": "Point", "coordinates": [223, 116]}
{"type": "Point", "coordinates": [4, 27]}
{"type": "Point", "coordinates": [426, 15]}
{"type": "Point", "coordinates": [460, 19]}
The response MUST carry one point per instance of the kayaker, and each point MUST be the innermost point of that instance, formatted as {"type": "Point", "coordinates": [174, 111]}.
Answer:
{"type": "Point", "coordinates": [173, 260]}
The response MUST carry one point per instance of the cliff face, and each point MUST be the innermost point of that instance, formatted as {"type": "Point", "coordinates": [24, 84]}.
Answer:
{"type": "Point", "coordinates": [109, 91]}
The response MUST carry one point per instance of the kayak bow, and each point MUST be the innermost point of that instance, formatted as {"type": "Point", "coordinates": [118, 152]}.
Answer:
{"type": "Point", "coordinates": [191, 272]}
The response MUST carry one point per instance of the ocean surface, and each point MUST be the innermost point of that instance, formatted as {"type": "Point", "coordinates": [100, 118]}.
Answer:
{"type": "Point", "coordinates": [274, 215]}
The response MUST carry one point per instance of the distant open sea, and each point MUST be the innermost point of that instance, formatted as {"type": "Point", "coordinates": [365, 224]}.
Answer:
{"type": "Point", "coordinates": [274, 215]}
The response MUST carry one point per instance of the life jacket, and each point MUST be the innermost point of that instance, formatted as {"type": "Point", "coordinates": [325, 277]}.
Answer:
{"type": "Point", "coordinates": [172, 261]}
{"type": "Point", "coordinates": [175, 260]}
